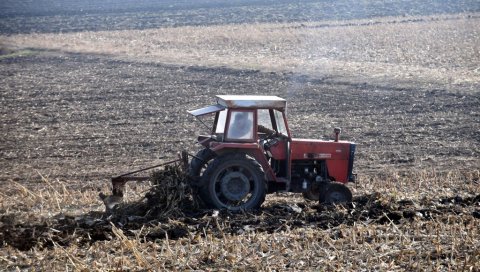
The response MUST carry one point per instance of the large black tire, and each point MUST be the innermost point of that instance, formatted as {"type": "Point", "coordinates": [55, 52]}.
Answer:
{"type": "Point", "coordinates": [234, 182]}
{"type": "Point", "coordinates": [335, 193]}
{"type": "Point", "coordinates": [199, 163]}
{"type": "Point", "coordinates": [197, 167]}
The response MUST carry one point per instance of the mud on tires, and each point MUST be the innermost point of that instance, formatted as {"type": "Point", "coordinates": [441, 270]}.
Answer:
{"type": "Point", "coordinates": [235, 182]}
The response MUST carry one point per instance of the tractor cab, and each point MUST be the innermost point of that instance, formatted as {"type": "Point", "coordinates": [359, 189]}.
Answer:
{"type": "Point", "coordinates": [250, 152]}
{"type": "Point", "coordinates": [246, 119]}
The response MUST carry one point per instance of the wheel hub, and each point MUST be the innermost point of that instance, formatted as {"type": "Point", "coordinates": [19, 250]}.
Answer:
{"type": "Point", "coordinates": [235, 186]}
{"type": "Point", "coordinates": [336, 193]}
{"type": "Point", "coordinates": [337, 197]}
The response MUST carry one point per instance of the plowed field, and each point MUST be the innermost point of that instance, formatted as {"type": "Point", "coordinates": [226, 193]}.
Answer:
{"type": "Point", "coordinates": [80, 107]}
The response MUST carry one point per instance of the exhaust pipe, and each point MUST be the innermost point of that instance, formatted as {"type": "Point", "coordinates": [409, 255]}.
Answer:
{"type": "Point", "coordinates": [337, 131]}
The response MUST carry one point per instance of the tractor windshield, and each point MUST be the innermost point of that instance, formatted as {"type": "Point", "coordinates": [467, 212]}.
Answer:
{"type": "Point", "coordinates": [264, 119]}
{"type": "Point", "coordinates": [271, 120]}
{"type": "Point", "coordinates": [280, 122]}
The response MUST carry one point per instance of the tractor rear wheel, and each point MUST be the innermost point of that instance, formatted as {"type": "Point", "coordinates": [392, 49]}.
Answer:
{"type": "Point", "coordinates": [197, 167]}
{"type": "Point", "coordinates": [234, 182]}
{"type": "Point", "coordinates": [199, 163]}
{"type": "Point", "coordinates": [335, 193]}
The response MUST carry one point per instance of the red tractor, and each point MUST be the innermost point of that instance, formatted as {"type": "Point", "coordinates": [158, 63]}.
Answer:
{"type": "Point", "coordinates": [250, 152]}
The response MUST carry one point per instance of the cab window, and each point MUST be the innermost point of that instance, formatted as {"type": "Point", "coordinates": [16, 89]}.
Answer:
{"type": "Point", "coordinates": [264, 119]}
{"type": "Point", "coordinates": [280, 122]}
{"type": "Point", "coordinates": [240, 125]}
{"type": "Point", "coordinates": [222, 118]}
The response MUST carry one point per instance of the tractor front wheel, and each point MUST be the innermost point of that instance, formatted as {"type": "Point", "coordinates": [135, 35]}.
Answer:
{"type": "Point", "coordinates": [314, 191]}
{"type": "Point", "coordinates": [335, 193]}
{"type": "Point", "coordinates": [234, 182]}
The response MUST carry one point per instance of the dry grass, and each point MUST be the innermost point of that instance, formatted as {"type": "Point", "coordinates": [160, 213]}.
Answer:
{"type": "Point", "coordinates": [446, 241]}
{"type": "Point", "coordinates": [442, 49]}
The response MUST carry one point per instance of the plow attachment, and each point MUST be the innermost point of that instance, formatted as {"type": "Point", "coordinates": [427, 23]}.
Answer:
{"type": "Point", "coordinates": [119, 182]}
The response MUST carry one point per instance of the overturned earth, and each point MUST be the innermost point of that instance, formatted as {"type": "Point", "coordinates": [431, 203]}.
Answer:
{"type": "Point", "coordinates": [168, 210]}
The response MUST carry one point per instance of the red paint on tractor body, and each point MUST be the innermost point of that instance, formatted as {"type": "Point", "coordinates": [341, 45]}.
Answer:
{"type": "Point", "coordinates": [336, 155]}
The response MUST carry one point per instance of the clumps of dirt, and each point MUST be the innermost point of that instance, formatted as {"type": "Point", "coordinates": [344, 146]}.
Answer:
{"type": "Point", "coordinates": [170, 196]}
{"type": "Point", "coordinates": [57, 230]}
{"type": "Point", "coordinates": [168, 209]}
{"type": "Point", "coordinates": [375, 208]}
{"type": "Point", "coordinates": [170, 216]}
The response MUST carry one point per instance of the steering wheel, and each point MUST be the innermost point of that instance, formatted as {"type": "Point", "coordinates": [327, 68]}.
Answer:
{"type": "Point", "coordinates": [271, 135]}
{"type": "Point", "coordinates": [270, 140]}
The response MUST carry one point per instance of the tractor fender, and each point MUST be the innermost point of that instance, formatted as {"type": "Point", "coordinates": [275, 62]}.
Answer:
{"type": "Point", "coordinates": [251, 149]}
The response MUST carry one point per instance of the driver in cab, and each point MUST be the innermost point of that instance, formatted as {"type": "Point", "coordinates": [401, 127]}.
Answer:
{"type": "Point", "coordinates": [241, 126]}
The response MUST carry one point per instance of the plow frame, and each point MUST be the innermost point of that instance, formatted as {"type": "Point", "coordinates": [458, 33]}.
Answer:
{"type": "Point", "coordinates": [119, 182]}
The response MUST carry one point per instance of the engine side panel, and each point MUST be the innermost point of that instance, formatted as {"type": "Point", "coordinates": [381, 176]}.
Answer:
{"type": "Point", "coordinates": [336, 155]}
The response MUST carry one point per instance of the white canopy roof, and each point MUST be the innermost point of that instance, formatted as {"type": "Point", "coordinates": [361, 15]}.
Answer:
{"type": "Point", "coordinates": [243, 101]}
{"type": "Point", "coordinates": [251, 101]}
